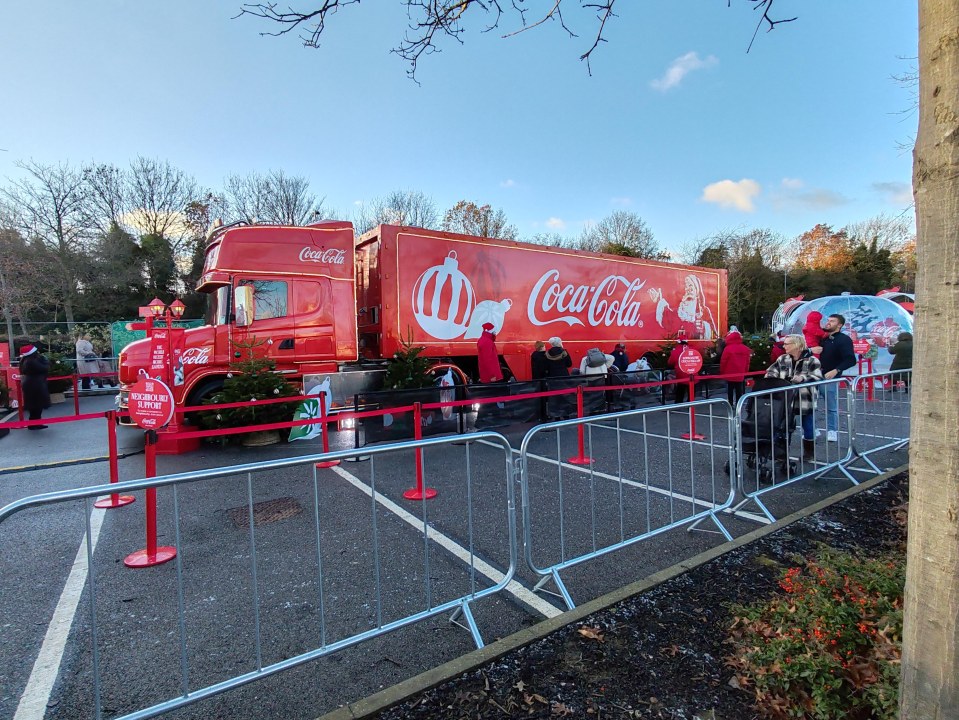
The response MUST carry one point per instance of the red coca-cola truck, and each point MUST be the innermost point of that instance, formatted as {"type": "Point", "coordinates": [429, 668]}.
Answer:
{"type": "Point", "coordinates": [324, 304]}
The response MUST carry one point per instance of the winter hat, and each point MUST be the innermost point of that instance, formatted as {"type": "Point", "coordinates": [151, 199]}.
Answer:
{"type": "Point", "coordinates": [734, 335]}
{"type": "Point", "coordinates": [488, 326]}
{"type": "Point", "coordinates": [555, 342]}
{"type": "Point", "coordinates": [27, 350]}
{"type": "Point", "coordinates": [620, 346]}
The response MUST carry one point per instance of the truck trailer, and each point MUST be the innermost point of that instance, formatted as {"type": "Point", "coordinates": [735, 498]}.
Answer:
{"type": "Point", "coordinates": [323, 304]}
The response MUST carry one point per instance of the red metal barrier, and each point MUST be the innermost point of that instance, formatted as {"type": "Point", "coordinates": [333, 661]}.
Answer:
{"type": "Point", "coordinates": [692, 434]}
{"type": "Point", "coordinates": [419, 492]}
{"type": "Point", "coordinates": [151, 555]}
{"type": "Point", "coordinates": [115, 500]}
{"type": "Point", "coordinates": [582, 458]}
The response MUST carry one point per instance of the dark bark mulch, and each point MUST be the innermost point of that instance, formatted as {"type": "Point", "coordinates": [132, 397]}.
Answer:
{"type": "Point", "coordinates": [661, 654]}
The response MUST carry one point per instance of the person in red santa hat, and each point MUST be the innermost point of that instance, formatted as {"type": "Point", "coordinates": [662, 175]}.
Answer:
{"type": "Point", "coordinates": [34, 369]}
{"type": "Point", "coordinates": [489, 367]}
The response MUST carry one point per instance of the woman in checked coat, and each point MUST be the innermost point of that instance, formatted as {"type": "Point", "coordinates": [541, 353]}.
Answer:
{"type": "Point", "coordinates": [799, 365]}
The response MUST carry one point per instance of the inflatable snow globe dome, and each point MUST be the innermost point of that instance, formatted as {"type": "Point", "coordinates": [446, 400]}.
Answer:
{"type": "Point", "coordinates": [868, 317]}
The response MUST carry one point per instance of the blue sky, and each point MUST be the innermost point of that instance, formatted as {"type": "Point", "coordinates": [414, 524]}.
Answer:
{"type": "Point", "coordinates": [677, 122]}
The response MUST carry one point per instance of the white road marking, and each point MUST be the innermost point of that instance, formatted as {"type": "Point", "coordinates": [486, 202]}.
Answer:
{"type": "Point", "coordinates": [515, 588]}
{"type": "Point", "coordinates": [36, 695]}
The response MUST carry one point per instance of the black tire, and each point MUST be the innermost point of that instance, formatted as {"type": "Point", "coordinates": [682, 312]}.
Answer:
{"type": "Point", "coordinates": [205, 389]}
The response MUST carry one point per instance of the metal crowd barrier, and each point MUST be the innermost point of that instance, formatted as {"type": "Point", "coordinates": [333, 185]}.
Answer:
{"type": "Point", "coordinates": [605, 498]}
{"type": "Point", "coordinates": [881, 413]}
{"type": "Point", "coordinates": [326, 573]}
{"type": "Point", "coordinates": [769, 447]}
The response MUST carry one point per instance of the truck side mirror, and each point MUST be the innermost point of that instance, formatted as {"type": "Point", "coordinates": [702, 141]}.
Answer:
{"type": "Point", "coordinates": [243, 305]}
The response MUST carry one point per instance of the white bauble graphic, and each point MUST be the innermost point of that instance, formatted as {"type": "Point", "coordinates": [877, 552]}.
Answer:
{"type": "Point", "coordinates": [488, 311]}
{"type": "Point", "coordinates": [443, 323]}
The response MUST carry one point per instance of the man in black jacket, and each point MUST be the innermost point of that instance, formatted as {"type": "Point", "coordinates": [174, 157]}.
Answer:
{"type": "Point", "coordinates": [837, 355]}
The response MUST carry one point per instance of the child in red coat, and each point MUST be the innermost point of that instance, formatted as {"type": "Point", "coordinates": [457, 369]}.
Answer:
{"type": "Point", "coordinates": [813, 333]}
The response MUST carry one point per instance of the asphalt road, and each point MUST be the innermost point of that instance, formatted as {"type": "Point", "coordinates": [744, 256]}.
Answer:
{"type": "Point", "coordinates": [343, 553]}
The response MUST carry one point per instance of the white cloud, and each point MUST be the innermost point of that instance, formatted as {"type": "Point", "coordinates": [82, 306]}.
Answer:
{"type": "Point", "coordinates": [621, 201]}
{"type": "Point", "coordinates": [680, 68]}
{"type": "Point", "coordinates": [729, 194]}
{"type": "Point", "coordinates": [897, 193]}
{"type": "Point", "coordinates": [792, 183]}
{"type": "Point", "coordinates": [508, 183]}
{"type": "Point", "coordinates": [555, 223]}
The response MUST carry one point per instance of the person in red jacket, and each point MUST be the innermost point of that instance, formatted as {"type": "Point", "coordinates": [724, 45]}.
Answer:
{"type": "Point", "coordinates": [489, 368]}
{"type": "Point", "coordinates": [813, 333]}
{"type": "Point", "coordinates": [777, 349]}
{"type": "Point", "coordinates": [735, 363]}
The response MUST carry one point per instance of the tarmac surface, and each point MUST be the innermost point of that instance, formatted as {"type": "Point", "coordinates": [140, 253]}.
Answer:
{"type": "Point", "coordinates": [331, 553]}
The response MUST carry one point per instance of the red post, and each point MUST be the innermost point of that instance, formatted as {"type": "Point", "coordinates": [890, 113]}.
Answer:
{"type": "Point", "coordinates": [692, 434]}
{"type": "Point", "coordinates": [419, 492]}
{"type": "Point", "coordinates": [870, 396]}
{"type": "Point", "coordinates": [582, 458]}
{"type": "Point", "coordinates": [151, 555]}
{"type": "Point", "coordinates": [19, 401]}
{"type": "Point", "coordinates": [323, 431]}
{"type": "Point", "coordinates": [116, 499]}
{"type": "Point", "coordinates": [76, 395]}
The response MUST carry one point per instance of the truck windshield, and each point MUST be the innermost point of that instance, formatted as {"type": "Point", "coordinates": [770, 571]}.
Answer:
{"type": "Point", "coordinates": [218, 306]}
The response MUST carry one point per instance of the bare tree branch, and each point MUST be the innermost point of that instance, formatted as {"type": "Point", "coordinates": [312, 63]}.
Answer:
{"type": "Point", "coordinates": [291, 19]}
{"type": "Point", "coordinates": [432, 20]}
{"type": "Point", "coordinates": [765, 6]}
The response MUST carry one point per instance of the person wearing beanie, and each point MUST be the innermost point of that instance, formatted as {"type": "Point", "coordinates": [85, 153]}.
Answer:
{"type": "Point", "coordinates": [813, 333]}
{"type": "Point", "coordinates": [34, 369]}
{"type": "Point", "coordinates": [620, 358]}
{"type": "Point", "coordinates": [537, 361]}
{"type": "Point", "coordinates": [489, 367]}
{"type": "Point", "coordinates": [734, 363]}
{"type": "Point", "coordinates": [558, 360]}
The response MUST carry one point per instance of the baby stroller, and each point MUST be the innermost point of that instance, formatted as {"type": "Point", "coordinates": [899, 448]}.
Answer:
{"type": "Point", "coordinates": [766, 428]}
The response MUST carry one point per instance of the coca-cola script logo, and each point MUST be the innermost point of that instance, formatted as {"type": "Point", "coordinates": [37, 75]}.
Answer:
{"type": "Point", "coordinates": [324, 257]}
{"type": "Point", "coordinates": [195, 356]}
{"type": "Point", "coordinates": [612, 302]}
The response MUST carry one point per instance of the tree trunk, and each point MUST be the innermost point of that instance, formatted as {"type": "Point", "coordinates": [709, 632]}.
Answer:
{"type": "Point", "coordinates": [930, 662]}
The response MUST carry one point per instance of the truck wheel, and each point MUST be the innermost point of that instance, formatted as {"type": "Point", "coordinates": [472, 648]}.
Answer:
{"type": "Point", "coordinates": [203, 391]}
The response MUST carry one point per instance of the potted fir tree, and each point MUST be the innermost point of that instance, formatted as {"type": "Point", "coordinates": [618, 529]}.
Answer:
{"type": "Point", "coordinates": [59, 367]}
{"type": "Point", "coordinates": [251, 378]}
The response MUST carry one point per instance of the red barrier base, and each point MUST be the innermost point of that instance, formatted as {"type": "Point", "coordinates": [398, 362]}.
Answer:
{"type": "Point", "coordinates": [327, 464]}
{"type": "Point", "coordinates": [108, 503]}
{"type": "Point", "coordinates": [580, 460]}
{"type": "Point", "coordinates": [693, 436]}
{"type": "Point", "coordinates": [173, 444]}
{"type": "Point", "coordinates": [417, 494]}
{"type": "Point", "coordinates": [143, 558]}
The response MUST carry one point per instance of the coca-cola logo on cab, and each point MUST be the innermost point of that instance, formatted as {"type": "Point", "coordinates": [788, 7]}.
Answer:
{"type": "Point", "coordinates": [195, 356]}
{"type": "Point", "coordinates": [330, 256]}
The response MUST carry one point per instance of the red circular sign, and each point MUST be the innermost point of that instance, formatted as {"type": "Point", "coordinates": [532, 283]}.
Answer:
{"type": "Point", "coordinates": [860, 347]}
{"type": "Point", "coordinates": [690, 361]}
{"type": "Point", "coordinates": [150, 403]}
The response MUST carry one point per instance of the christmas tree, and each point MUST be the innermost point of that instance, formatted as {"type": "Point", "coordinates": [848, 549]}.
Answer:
{"type": "Point", "coordinates": [251, 378]}
{"type": "Point", "coordinates": [407, 369]}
